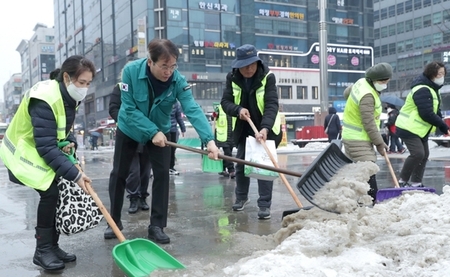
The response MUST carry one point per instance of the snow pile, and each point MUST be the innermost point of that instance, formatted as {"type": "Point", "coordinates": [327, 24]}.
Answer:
{"type": "Point", "coordinates": [404, 236]}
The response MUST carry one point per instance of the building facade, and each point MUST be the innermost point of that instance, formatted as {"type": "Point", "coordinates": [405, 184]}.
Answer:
{"type": "Point", "coordinates": [12, 91]}
{"type": "Point", "coordinates": [408, 35]}
{"type": "Point", "coordinates": [37, 56]}
{"type": "Point", "coordinates": [207, 33]}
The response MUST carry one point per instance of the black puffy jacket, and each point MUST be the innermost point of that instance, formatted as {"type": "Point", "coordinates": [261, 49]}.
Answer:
{"type": "Point", "coordinates": [114, 102]}
{"type": "Point", "coordinates": [44, 132]}
{"type": "Point", "coordinates": [424, 102]}
{"type": "Point", "coordinates": [248, 101]}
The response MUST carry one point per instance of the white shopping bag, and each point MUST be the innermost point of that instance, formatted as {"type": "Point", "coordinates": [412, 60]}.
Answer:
{"type": "Point", "coordinates": [255, 152]}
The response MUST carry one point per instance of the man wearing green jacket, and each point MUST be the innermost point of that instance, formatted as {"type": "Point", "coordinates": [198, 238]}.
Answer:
{"type": "Point", "coordinates": [149, 89]}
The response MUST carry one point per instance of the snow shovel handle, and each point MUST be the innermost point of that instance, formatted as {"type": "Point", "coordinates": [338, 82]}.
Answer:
{"type": "Point", "coordinates": [104, 211]}
{"type": "Point", "coordinates": [275, 164]}
{"type": "Point", "coordinates": [236, 160]}
{"type": "Point", "coordinates": [391, 169]}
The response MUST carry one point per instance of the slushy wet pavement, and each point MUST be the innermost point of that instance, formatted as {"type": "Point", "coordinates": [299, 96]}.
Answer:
{"type": "Point", "coordinates": [201, 224]}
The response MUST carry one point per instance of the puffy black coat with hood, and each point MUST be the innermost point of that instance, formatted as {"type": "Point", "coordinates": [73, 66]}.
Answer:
{"type": "Point", "coordinates": [44, 132]}
{"type": "Point", "coordinates": [424, 102]}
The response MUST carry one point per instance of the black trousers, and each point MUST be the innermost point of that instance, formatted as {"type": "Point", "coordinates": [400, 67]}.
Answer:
{"type": "Point", "coordinates": [228, 165]}
{"type": "Point", "coordinates": [243, 183]}
{"type": "Point", "coordinates": [47, 206]}
{"type": "Point", "coordinates": [159, 157]}
{"type": "Point", "coordinates": [373, 187]}
{"type": "Point", "coordinates": [414, 167]}
{"type": "Point", "coordinates": [139, 178]}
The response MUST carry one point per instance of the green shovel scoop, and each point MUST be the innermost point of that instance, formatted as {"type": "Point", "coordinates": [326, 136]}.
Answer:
{"type": "Point", "coordinates": [137, 257]}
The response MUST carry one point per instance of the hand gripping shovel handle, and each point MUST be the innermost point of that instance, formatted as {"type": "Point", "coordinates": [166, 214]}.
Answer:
{"type": "Point", "coordinates": [275, 164]}
{"type": "Point", "coordinates": [391, 169]}
{"type": "Point", "coordinates": [104, 211]}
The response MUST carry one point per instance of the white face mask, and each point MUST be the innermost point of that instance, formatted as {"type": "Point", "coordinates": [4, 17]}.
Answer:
{"type": "Point", "coordinates": [76, 93]}
{"type": "Point", "coordinates": [439, 81]}
{"type": "Point", "coordinates": [380, 87]}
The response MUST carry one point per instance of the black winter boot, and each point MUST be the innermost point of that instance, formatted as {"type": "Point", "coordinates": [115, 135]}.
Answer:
{"type": "Point", "coordinates": [134, 205]}
{"type": "Point", "coordinates": [61, 254]}
{"type": "Point", "coordinates": [143, 204]}
{"type": "Point", "coordinates": [44, 256]}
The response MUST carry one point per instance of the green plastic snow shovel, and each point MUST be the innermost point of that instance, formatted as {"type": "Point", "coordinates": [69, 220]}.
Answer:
{"type": "Point", "coordinates": [137, 257]}
{"type": "Point", "coordinates": [209, 165]}
{"type": "Point", "coordinates": [213, 166]}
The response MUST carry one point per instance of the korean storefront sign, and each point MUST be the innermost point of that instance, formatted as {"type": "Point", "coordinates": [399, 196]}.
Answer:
{"type": "Point", "coordinates": [282, 14]}
{"type": "Point", "coordinates": [213, 6]}
{"type": "Point", "coordinates": [214, 44]}
{"type": "Point", "coordinates": [175, 14]}
{"type": "Point", "coordinates": [347, 50]}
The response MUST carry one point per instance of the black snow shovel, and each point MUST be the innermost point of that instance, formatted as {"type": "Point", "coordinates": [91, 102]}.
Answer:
{"type": "Point", "coordinates": [326, 164]}
{"type": "Point", "coordinates": [240, 161]}
{"type": "Point", "coordinates": [320, 172]}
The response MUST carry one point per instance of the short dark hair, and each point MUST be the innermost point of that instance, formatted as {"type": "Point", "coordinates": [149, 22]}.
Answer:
{"type": "Point", "coordinates": [431, 70]}
{"type": "Point", "coordinates": [54, 74]}
{"type": "Point", "coordinates": [74, 66]}
{"type": "Point", "coordinates": [162, 49]}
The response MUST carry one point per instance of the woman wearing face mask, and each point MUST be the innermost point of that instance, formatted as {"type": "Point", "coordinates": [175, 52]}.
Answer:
{"type": "Point", "coordinates": [417, 119]}
{"type": "Point", "coordinates": [31, 154]}
{"type": "Point", "coordinates": [361, 120]}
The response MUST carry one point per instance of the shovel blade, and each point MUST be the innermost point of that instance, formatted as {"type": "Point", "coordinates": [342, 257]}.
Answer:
{"type": "Point", "coordinates": [321, 170]}
{"type": "Point", "coordinates": [388, 193]}
{"type": "Point", "coordinates": [139, 257]}
{"type": "Point", "coordinates": [213, 166]}
{"type": "Point", "coordinates": [293, 211]}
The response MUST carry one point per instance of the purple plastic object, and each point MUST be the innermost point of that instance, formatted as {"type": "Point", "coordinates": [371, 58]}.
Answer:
{"type": "Point", "coordinates": [384, 194]}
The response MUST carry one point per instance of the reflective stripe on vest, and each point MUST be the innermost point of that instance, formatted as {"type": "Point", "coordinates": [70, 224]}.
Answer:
{"type": "Point", "coordinates": [353, 128]}
{"type": "Point", "coordinates": [237, 91]}
{"type": "Point", "coordinates": [222, 126]}
{"type": "Point", "coordinates": [18, 150]}
{"type": "Point", "coordinates": [409, 118]}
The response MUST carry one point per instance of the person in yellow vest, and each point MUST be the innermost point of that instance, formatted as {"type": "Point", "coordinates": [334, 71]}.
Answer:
{"type": "Point", "coordinates": [417, 119]}
{"type": "Point", "coordinates": [251, 92]}
{"type": "Point", "coordinates": [224, 139]}
{"type": "Point", "coordinates": [361, 120]}
{"type": "Point", "coordinates": [30, 149]}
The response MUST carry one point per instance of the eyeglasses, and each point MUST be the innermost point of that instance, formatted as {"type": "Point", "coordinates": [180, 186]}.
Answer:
{"type": "Point", "coordinates": [167, 68]}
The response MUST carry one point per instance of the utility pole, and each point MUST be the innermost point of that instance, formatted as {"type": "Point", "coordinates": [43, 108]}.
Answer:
{"type": "Point", "coordinates": [323, 65]}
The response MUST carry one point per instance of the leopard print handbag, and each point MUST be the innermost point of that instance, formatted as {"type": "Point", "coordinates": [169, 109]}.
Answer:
{"type": "Point", "coordinates": [76, 211]}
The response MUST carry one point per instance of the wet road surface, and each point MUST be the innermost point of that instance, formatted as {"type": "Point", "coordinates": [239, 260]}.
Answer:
{"type": "Point", "coordinates": [201, 224]}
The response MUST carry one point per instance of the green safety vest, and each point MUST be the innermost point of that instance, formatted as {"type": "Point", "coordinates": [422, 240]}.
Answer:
{"type": "Point", "coordinates": [353, 128]}
{"type": "Point", "coordinates": [222, 126]}
{"type": "Point", "coordinates": [18, 150]}
{"type": "Point", "coordinates": [259, 101]}
{"type": "Point", "coordinates": [409, 118]}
